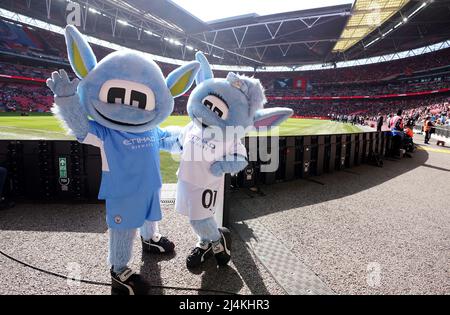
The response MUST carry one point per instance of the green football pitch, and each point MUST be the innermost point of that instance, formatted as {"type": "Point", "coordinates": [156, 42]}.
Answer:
{"type": "Point", "coordinates": [46, 127]}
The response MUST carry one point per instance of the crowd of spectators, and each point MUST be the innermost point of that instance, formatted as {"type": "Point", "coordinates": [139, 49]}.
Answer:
{"type": "Point", "coordinates": [438, 113]}
{"type": "Point", "coordinates": [319, 90]}
{"type": "Point", "coordinates": [17, 97]}
{"type": "Point", "coordinates": [396, 87]}
{"type": "Point", "coordinates": [25, 71]}
{"type": "Point", "coordinates": [375, 79]}
{"type": "Point", "coordinates": [31, 42]}
{"type": "Point", "coordinates": [364, 107]}
{"type": "Point", "coordinates": [367, 73]}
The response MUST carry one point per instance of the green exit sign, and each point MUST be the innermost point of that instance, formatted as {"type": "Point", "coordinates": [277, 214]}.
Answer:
{"type": "Point", "coordinates": [62, 167]}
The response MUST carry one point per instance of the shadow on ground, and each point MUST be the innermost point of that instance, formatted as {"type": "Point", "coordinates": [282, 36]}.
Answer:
{"type": "Point", "coordinates": [54, 237]}
{"type": "Point", "coordinates": [330, 186]}
{"type": "Point", "coordinates": [82, 218]}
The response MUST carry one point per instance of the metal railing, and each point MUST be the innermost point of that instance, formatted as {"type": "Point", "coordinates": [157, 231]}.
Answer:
{"type": "Point", "coordinates": [439, 130]}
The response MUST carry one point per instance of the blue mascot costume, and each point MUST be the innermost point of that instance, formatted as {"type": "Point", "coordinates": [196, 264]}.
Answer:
{"type": "Point", "coordinates": [222, 110]}
{"type": "Point", "coordinates": [117, 107]}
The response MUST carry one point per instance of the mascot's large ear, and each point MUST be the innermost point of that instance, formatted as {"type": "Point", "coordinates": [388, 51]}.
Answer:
{"type": "Point", "coordinates": [270, 117]}
{"type": "Point", "coordinates": [205, 72]}
{"type": "Point", "coordinates": [81, 56]}
{"type": "Point", "coordinates": [180, 80]}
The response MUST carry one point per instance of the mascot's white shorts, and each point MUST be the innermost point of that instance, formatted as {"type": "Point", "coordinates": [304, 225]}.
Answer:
{"type": "Point", "coordinates": [199, 203]}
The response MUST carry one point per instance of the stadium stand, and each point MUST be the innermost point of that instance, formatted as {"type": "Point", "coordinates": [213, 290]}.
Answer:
{"type": "Point", "coordinates": [309, 204]}
{"type": "Point", "coordinates": [377, 89]}
{"type": "Point", "coordinates": [24, 97]}
{"type": "Point", "coordinates": [373, 72]}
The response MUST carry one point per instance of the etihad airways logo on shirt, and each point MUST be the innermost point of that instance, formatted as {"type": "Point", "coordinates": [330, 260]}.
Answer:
{"type": "Point", "coordinates": [138, 143]}
{"type": "Point", "coordinates": [196, 140]}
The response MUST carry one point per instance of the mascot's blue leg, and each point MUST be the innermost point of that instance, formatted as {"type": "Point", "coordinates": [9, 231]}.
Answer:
{"type": "Point", "coordinates": [120, 248]}
{"type": "Point", "coordinates": [149, 229]}
{"type": "Point", "coordinates": [206, 230]}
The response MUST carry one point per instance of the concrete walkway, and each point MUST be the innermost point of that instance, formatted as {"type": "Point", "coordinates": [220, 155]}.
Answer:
{"type": "Point", "coordinates": [73, 238]}
{"type": "Point", "coordinates": [365, 230]}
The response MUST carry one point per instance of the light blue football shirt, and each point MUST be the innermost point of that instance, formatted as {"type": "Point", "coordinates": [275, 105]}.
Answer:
{"type": "Point", "coordinates": [130, 161]}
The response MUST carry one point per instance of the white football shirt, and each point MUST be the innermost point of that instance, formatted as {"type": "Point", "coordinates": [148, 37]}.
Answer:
{"type": "Point", "coordinates": [199, 192]}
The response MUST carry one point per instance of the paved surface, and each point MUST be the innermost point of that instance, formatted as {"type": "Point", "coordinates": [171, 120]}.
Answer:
{"type": "Point", "coordinates": [70, 238]}
{"type": "Point", "coordinates": [366, 230]}
{"type": "Point", "coordinates": [294, 276]}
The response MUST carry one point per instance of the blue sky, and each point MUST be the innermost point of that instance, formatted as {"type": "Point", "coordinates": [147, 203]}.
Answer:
{"type": "Point", "coordinates": [208, 10]}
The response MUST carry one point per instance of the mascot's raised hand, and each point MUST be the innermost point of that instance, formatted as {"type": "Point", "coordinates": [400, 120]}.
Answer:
{"type": "Point", "coordinates": [61, 85]}
{"type": "Point", "coordinates": [222, 111]}
{"type": "Point", "coordinates": [67, 104]}
{"type": "Point", "coordinates": [117, 107]}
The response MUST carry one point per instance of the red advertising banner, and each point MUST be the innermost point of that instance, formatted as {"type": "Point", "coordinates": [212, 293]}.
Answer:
{"type": "Point", "coordinates": [14, 77]}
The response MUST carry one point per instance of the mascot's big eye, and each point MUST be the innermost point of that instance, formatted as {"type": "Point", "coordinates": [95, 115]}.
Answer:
{"type": "Point", "coordinates": [138, 99]}
{"type": "Point", "coordinates": [217, 105]}
{"type": "Point", "coordinates": [142, 98]}
{"type": "Point", "coordinates": [127, 93]}
{"type": "Point", "coordinates": [116, 95]}
{"type": "Point", "coordinates": [207, 103]}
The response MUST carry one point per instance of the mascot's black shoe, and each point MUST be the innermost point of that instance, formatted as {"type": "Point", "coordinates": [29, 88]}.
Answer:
{"type": "Point", "coordinates": [222, 248]}
{"type": "Point", "coordinates": [158, 245]}
{"type": "Point", "coordinates": [128, 283]}
{"type": "Point", "coordinates": [198, 255]}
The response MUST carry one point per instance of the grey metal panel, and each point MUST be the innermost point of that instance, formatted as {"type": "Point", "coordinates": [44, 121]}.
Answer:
{"type": "Point", "coordinates": [294, 276]}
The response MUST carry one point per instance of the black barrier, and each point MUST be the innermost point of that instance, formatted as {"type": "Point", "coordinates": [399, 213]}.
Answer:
{"type": "Point", "coordinates": [359, 147]}
{"type": "Point", "coordinates": [351, 150]}
{"type": "Point", "coordinates": [442, 131]}
{"type": "Point", "coordinates": [314, 148]}
{"type": "Point", "coordinates": [339, 160]}
{"type": "Point", "coordinates": [248, 178]}
{"type": "Point", "coordinates": [70, 171]}
{"type": "Point", "coordinates": [304, 156]}
{"type": "Point", "coordinates": [51, 170]}
{"type": "Point", "coordinates": [290, 157]}
{"type": "Point", "coordinates": [320, 155]}
{"type": "Point", "coordinates": [367, 137]}
{"type": "Point", "coordinates": [280, 173]}
{"type": "Point", "coordinates": [264, 158]}
{"type": "Point", "coordinates": [332, 158]}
